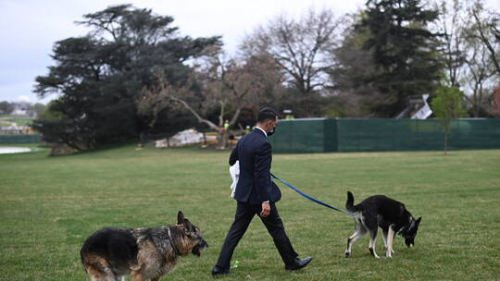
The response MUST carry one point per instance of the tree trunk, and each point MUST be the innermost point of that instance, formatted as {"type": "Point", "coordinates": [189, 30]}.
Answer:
{"type": "Point", "coordinates": [143, 139]}
{"type": "Point", "coordinates": [445, 142]}
{"type": "Point", "coordinates": [223, 139]}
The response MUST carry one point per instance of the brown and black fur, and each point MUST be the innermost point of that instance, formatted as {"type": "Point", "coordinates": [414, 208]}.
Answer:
{"type": "Point", "coordinates": [144, 253]}
{"type": "Point", "coordinates": [388, 214]}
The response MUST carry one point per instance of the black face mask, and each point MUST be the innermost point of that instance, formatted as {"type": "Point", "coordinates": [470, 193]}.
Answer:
{"type": "Point", "coordinates": [271, 132]}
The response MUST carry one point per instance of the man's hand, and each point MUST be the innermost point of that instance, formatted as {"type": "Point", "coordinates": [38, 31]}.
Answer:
{"type": "Point", "coordinates": [266, 209]}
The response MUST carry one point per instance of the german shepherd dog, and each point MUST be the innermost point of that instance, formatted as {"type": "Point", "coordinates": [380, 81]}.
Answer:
{"type": "Point", "coordinates": [145, 253]}
{"type": "Point", "coordinates": [386, 213]}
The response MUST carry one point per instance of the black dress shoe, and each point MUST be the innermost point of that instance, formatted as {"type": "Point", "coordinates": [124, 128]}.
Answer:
{"type": "Point", "coordinates": [216, 271]}
{"type": "Point", "coordinates": [299, 263]}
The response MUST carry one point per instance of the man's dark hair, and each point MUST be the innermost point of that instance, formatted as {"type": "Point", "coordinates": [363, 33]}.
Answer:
{"type": "Point", "coordinates": [266, 113]}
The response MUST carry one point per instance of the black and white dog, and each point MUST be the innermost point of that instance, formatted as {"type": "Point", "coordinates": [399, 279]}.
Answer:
{"type": "Point", "coordinates": [386, 213]}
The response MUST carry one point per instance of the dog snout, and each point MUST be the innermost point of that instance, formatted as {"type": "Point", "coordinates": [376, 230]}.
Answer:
{"type": "Point", "coordinates": [204, 243]}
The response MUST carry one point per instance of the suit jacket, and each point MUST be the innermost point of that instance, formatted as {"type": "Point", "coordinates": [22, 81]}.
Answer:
{"type": "Point", "coordinates": [254, 185]}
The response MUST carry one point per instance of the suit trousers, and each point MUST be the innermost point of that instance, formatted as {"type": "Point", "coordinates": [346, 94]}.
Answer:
{"type": "Point", "coordinates": [244, 215]}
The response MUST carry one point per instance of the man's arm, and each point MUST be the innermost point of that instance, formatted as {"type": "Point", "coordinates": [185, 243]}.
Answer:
{"type": "Point", "coordinates": [234, 156]}
{"type": "Point", "coordinates": [262, 171]}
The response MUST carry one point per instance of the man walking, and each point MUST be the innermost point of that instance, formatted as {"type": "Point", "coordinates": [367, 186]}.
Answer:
{"type": "Point", "coordinates": [257, 194]}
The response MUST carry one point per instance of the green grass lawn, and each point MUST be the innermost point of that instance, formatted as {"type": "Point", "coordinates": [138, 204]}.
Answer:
{"type": "Point", "coordinates": [50, 205]}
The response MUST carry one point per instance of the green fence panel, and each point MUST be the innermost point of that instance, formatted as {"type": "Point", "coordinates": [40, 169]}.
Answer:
{"type": "Point", "coordinates": [476, 133]}
{"type": "Point", "coordinates": [346, 135]}
{"type": "Point", "coordinates": [282, 140]}
{"type": "Point", "coordinates": [13, 139]}
{"type": "Point", "coordinates": [428, 135]}
{"type": "Point", "coordinates": [408, 134]}
{"type": "Point", "coordinates": [330, 135]}
{"type": "Point", "coordinates": [299, 136]}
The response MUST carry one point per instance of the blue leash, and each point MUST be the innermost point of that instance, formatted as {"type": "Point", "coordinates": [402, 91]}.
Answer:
{"type": "Point", "coordinates": [311, 198]}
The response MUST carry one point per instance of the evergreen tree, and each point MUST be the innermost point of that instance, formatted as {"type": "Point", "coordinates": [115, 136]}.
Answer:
{"type": "Point", "coordinates": [354, 94]}
{"type": "Point", "coordinates": [404, 51]}
{"type": "Point", "coordinates": [100, 76]}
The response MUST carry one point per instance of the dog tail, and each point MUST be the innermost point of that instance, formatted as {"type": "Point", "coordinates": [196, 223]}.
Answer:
{"type": "Point", "coordinates": [349, 204]}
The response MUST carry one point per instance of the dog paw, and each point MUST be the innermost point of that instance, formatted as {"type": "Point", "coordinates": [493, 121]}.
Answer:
{"type": "Point", "coordinates": [347, 254]}
{"type": "Point", "coordinates": [374, 254]}
{"type": "Point", "coordinates": [388, 255]}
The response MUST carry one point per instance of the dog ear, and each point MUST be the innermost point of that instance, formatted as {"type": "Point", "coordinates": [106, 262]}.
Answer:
{"type": "Point", "coordinates": [180, 218]}
{"type": "Point", "coordinates": [418, 220]}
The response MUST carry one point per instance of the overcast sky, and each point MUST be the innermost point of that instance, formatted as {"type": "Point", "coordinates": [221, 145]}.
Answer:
{"type": "Point", "coordinates": [29, 28]}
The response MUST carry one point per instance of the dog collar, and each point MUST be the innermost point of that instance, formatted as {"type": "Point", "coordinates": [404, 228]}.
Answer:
{"type": "Point", "coordinates": [176, 251]}
{"type": "Point", "coordinates": [405, 229]}
{"type": "Point", "coordinates": [401, 231]}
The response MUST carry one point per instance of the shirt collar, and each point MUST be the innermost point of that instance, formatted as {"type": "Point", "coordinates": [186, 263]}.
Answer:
{"type": "Point", "coordinates": [265, 133]}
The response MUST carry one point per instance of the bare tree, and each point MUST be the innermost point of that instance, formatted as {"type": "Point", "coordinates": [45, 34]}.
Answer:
{"type": "Point", "coordinates": [218, 84]}
{"type": "Point", "coordinates": [479, 70]}
{"type": "Point", "coordinates": [468, 37]}
{"type": "Point", "coordinates": [451, 25]}
{"type": "Point", "coordinates": [487, 30]}
{"type": "Point", "coordinates": [299, 47]}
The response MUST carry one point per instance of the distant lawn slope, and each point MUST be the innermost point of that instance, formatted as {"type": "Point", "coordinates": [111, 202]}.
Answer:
{"type": "Point", "coordinates": [7, 120]}
{"type": "Point", "coordinates": [50, 205]}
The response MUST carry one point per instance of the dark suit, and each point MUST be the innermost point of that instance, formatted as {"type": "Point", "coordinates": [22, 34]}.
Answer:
{"type": "Point", "coordinates": [254, 184]}
{"type": "Point", "coordinates": [255, 187]}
